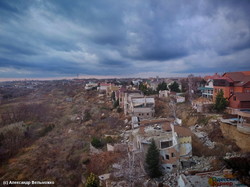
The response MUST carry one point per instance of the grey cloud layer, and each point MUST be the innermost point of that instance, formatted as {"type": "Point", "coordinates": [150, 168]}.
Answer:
{"type": "Point", "coordinates": [119, 38]}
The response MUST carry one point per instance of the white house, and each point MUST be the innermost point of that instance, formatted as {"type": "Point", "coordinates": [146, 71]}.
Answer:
{"type": "Point", "coordinates": [90, 85]}
{"type": "Point", "coordinates": [164, 93]}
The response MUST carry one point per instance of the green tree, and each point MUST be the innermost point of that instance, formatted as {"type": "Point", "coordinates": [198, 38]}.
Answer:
{"type": "Point", "coordinates": [146, 90]}
{"type": "Point", "coordinates": [92, 181]}
{"type": "Point", "coordinates": [162, 86]}
{"type": "Point", "coordinates": [143, 87]}
{"type": "Point", "coordinates": [203, 82]}
{"type": "Point", "coordinates": [174, 87]}
{"type": "Point", "coordinates": [113, 96]}
{"type": "Point", "coordinates": [153, 161]}
{"type": "Point", "coordinates": [116, 103]}
{"type": "Point", "coordinates": [220, 101]}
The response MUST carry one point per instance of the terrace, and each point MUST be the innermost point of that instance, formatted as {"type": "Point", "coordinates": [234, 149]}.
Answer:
{"type": "Point", "coordinates": [243, 123]}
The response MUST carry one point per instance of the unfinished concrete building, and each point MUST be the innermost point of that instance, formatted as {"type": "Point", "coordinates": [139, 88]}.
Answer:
{"type": "Point", "coordinates": [143, 107]}
{"type": "Point", "coordinates": [174, 142]}
{"type": "Point", "coordinates": [136, 104]}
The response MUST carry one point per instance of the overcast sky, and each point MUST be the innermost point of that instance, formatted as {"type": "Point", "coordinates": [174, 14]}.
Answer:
{"type": "Point", "coordinates": [57, 38]}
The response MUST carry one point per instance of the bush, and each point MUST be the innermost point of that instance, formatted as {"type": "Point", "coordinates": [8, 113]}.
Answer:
{"type": "Point", "coordinates": [109, 139]}
{"type": "Point", "coordinates": [203, 120]}
{"type": "Point", "coordinates": [46, 130]}
{"type": "Point", "coordinates": [96, 143]}
{"type": "Point", "coordinates": [92, 181]}
{"type": "Point", "coordinates": [87, 115]}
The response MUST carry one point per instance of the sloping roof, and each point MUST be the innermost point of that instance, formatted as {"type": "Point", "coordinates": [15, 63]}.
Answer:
{"type": "Point", "coordinates": [235, 76]}
{"type": "Point", "coordinates": [246, 72]}
{"type": "Point", "coordinates": [182, 131]}
{"type": "Point", "coordinates": [225, 78]}
{"type": "Point", "coordinates": [243, 96]}
{"type": "Point", "coordinates": [244, 81]}
{"type": "Point", "coordinates": [239, 78]}
{"type": "Point", "coordinates": [215, 76]}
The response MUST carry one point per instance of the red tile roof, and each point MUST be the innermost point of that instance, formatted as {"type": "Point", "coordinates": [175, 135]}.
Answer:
{"type": "Point", "coordinates": [243, 96]}
{"type": "Point", "coordinates": [244, 81]}
{"type": "Point", "coordinates": [215, 76]}
{"type": "Point", "coordinates": [235, 76]}
{"type": "Point", "coordinates": [246, 72]}
{"type": "Point", "coordinates": [105, 84]}
{"type": "Point", "coordinates": [225, 78]}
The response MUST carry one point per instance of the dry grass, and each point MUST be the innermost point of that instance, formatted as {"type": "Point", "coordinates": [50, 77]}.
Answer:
{"type": "Point", "coordinates": [59, 154]}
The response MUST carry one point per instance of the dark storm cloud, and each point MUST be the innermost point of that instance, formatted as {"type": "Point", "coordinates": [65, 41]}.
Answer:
{"type": "Point", "coordinates": [119, 38]}
{"type": "Point", "coordinates": [5, 7]}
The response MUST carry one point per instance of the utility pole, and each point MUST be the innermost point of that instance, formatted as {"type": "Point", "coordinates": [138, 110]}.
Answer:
{"type": "Point", "coordinates": [173, 107]}
{"type": "Point", "coordinates": [190, 88]}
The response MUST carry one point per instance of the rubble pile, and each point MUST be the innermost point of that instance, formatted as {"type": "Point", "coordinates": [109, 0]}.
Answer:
{"type": "Point", "coordinates": [203, 136]}
{"type": "Point", "coordinates": [201, 164]}
{"type": "Point", "coordinates": [170, 179]}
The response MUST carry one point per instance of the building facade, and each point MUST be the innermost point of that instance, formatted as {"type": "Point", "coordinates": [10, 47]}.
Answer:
{"type": "Point", "coordinates": [236, 88]}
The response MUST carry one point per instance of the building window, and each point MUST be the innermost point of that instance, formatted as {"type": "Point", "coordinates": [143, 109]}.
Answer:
{"type": "Point", "coordinates": [231, 91]}
{"type": "Point", "coordinates": [234, 98]}
{"type": "Point", "coordinates": [172, 154]}
{"type": "Point", "coordinates": [167, 157]}
{"type": "Point", "coordinates": [166, 144]}
{"type": "Point", "coordinates": [174, 166]}
{"type": "Point", "coordinates": [148, 114]}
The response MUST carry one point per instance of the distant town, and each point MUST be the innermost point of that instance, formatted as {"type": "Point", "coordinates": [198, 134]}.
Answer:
{"type": "Point", "coordinates": [189, 131]}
